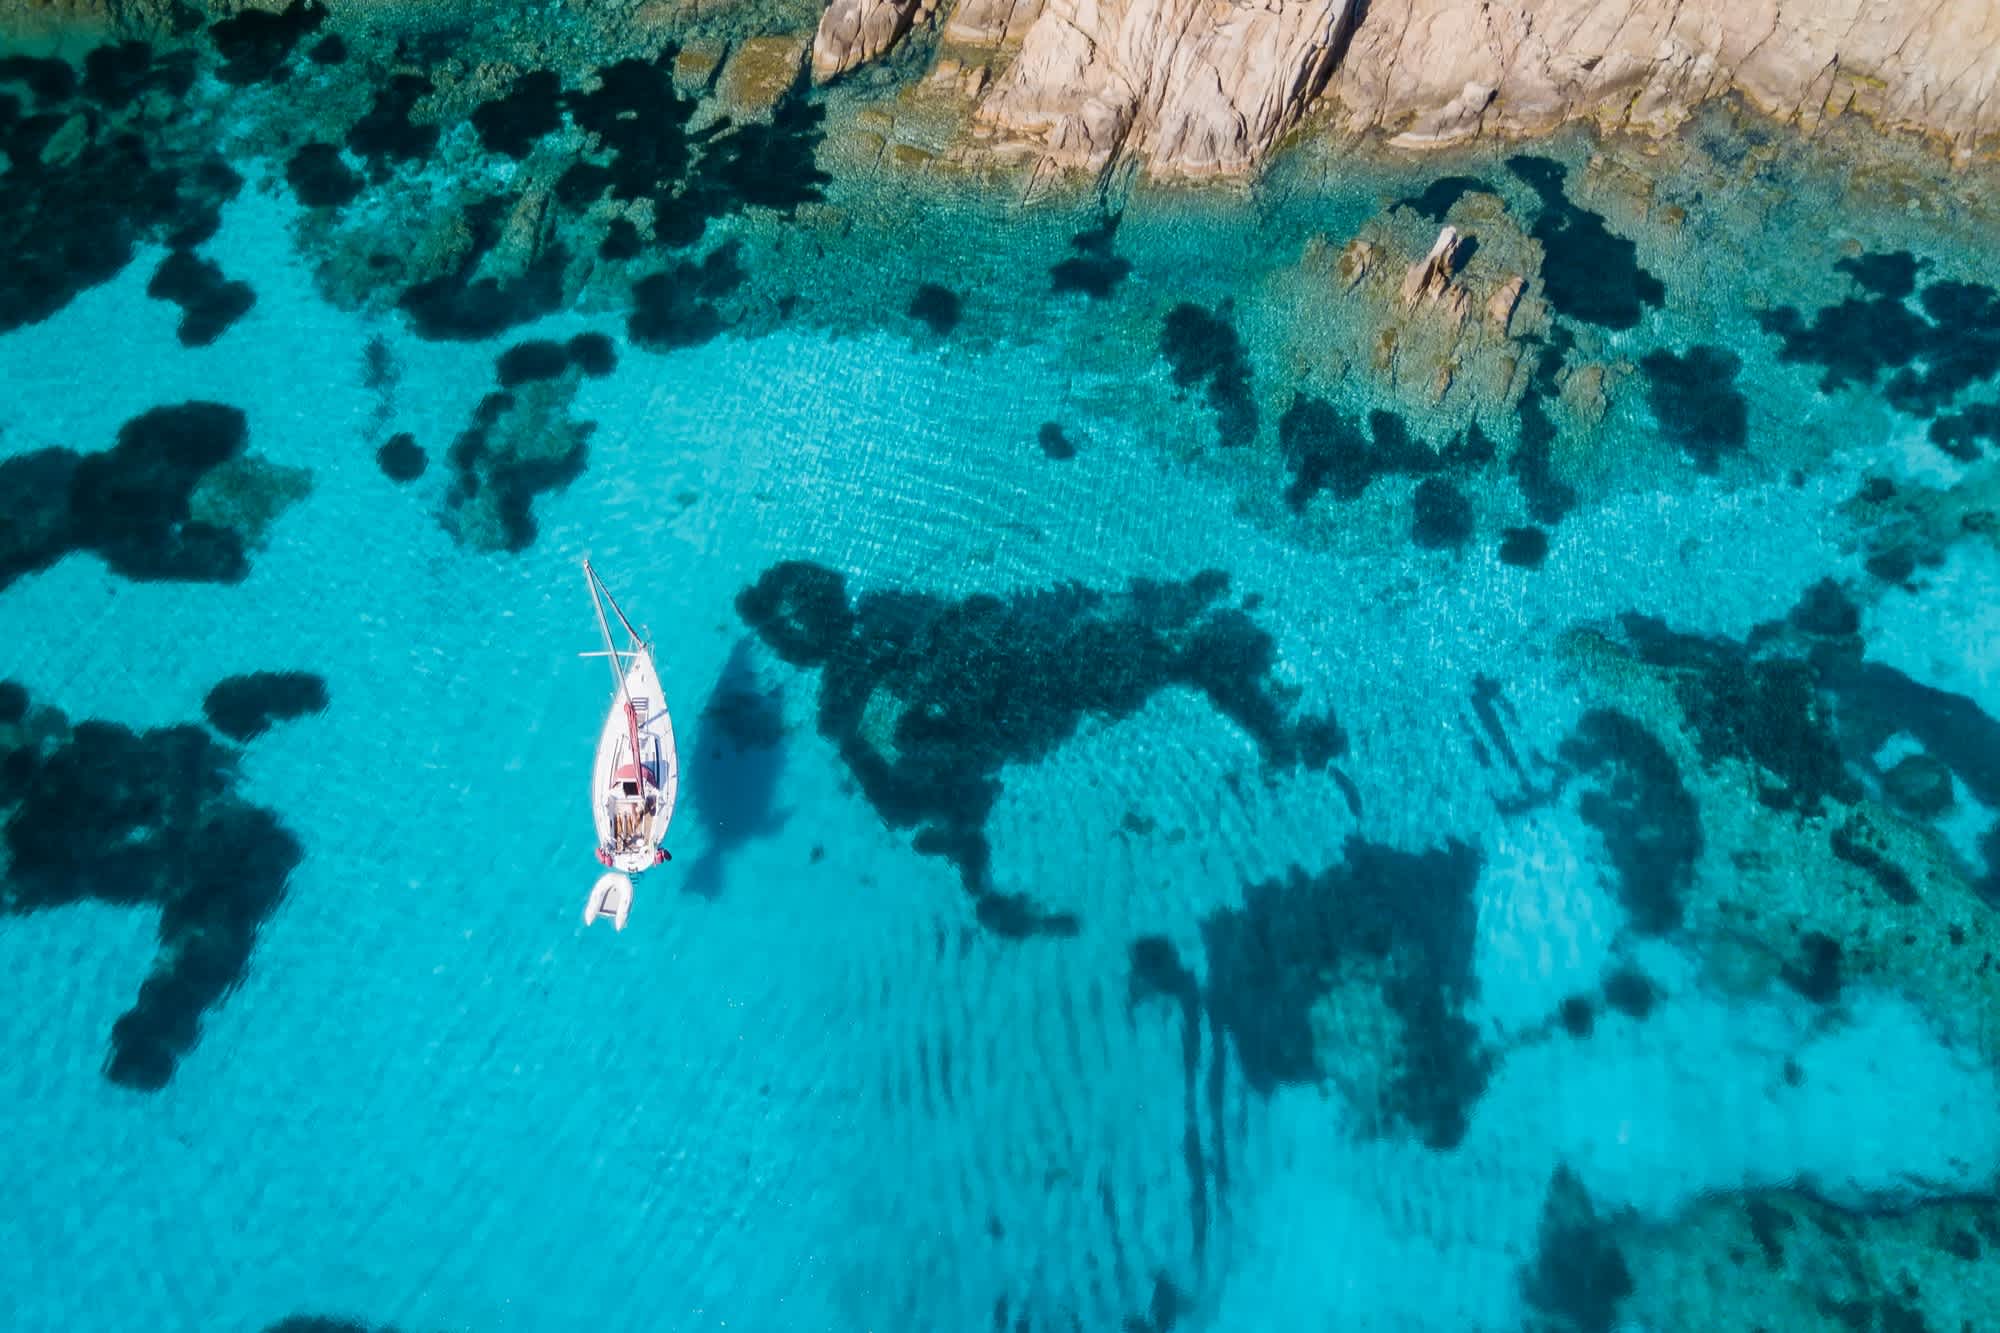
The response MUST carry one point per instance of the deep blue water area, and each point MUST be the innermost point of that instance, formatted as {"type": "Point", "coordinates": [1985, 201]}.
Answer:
{"type": "Point", "coordinates": [1218, 792]}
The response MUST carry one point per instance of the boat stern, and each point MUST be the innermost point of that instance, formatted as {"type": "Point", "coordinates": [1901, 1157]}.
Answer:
{"type": "Point", "coordinates": [633, 860]}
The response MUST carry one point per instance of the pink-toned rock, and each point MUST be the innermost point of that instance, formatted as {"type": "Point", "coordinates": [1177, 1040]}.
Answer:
{"type": "Point", "coordinates": [1207, 87]}
{"type": "Point", "coordinates": [1429, 276]}
{"type": "Point", "coordinates": [1191, 87]}
{"type": "Point", "coordinates": [991, 22]}
{"type": "Point", "coordinates": [1418, 67]}
{"type": "Point", "coordinates": [854, 32]}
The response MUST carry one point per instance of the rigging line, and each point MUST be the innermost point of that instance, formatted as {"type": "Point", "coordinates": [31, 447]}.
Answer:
{"type": "Point", "coordinates": [597, 589]}
{"type": "Point", "coordinates": [637, 639]}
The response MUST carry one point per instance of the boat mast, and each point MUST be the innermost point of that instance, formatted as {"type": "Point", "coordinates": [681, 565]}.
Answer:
{"type": "Point", "coordinates": [597, 588]}
{"type": "Point", "coordinates": [631, 633]}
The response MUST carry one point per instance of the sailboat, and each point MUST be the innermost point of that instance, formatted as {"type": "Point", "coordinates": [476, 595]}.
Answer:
{"type": "Point", "coordinates": [636, 774]}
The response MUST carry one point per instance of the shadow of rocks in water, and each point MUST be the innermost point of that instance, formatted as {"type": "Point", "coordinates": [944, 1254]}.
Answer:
{"type": "Point", "coordinates": [733, 768]}
{"type": "Point", "coordinates": [1592, 274]}
{"type": "Point", "coordinates": [244, 707]}
{"type": "Point", "coordinates": [1440, 516]}
{"type": "Point", "coordinates": [1929, 355]}
{"type": "Point", "coordinates": [1437, 198]}
{"type": "Point", "coordinates": [92, 172]}
{"type": "Point", "coordinates": [512, 123]}
{"type": "Point", "coordinates": [1579, 1279]}
{"type": "Point", "coordinates": [1524, 548]}
{"type": "Point", "coordinates": [401, 458]}
{"type": "Point", "coordinates": [677, 308]}
{"type": "Point", "coordinates": [930, 700]}
{"type": "Point", "coordinates": [1549, 498]}
{"type": "Point", "coordinates": [319, 178]}
{"type": "Point", "coordinates": [640, 120]}
{"type": "Point", "coordinates": [1380, 927]}
{"type": "Point", "coordinates": [1157, 973]}
{"type": "Point", "coordinates": [97, 812]}
{"type": "Point", "coordinates": [255, 43]}
{"type": "Point", "coordinates": [1325, 449]}
{"type": "Point", "coordinates": [1960, 433]}
{"type": "Point", "coordinates": [1643, 811]}
{"type": "Point", "coordinates": [209, 302]}
{"type": "Point", "coordinates": [1202, 349]}
{"type": "Point", "coordinates": [1630, 992]}
{"type": "Point", "coordinates": [936, 308]}
{"type": "Point", "coordinates": [385, 137]}
{"type": "Point", "coordinates": [140, 504]}
{"type": "Point", "coordinates": [1055, 442]}
{"type": "Point", "coordinates": [1095, 270]}
{"type": "Point", "coordinates": [1694, 398]}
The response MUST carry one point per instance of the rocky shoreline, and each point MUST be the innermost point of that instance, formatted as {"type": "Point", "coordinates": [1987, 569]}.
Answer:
{"type": "Point", "coordinates": [1189, 90]}
{"type": "Point", "coordinates": [1196, 90]}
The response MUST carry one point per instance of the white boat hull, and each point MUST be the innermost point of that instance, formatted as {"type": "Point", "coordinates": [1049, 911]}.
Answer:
{"type": "Point", "coordinates": [633, 850]}
{"type": "Point", "coordinates": [611, 899]}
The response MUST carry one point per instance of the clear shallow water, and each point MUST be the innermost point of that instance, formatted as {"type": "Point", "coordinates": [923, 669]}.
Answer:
{"type": "Point", "coordinates": [1304, 1039]}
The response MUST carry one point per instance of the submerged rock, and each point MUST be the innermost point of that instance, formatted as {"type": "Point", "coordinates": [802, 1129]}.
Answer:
{"type": "Point", "coordinates": [1919, 784]}
{"type": "Point", "coordinates": [1738, 813]}
{"type": "Point", "coordinates": [522, 441]}
{"type": "Point", "coordinates": [1784, 1258]}
{"type": "Point", "coordinates": [759, 73]}
{"type": "Point", "coordinates": [1445, 317]}
{"type": "Point", "coordinates": [933, 703]}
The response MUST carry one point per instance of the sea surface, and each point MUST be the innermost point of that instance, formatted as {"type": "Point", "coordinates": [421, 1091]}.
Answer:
{"type": "Point", "coordinates": [1184, 824]}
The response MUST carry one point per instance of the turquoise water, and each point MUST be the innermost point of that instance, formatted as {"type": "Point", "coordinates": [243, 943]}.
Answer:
{"type": "Point", "coordinates": [1156, 852]}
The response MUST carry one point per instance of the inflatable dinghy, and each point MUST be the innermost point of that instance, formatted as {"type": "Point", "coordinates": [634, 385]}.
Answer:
{"type": "Point", "coordinates": [611, 898]}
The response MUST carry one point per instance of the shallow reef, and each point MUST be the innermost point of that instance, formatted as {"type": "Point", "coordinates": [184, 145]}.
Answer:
{"type": "Point", "coordinates": [1760, 802]}
{"type": "Point", "coordinates": [522, 442]}
{"type": "Point", "coordinates": [96, 168]}
{"type": "Point", "coordinates": [1635, 799]}
{"type": "Point", "coordinates": [1789, 1259]}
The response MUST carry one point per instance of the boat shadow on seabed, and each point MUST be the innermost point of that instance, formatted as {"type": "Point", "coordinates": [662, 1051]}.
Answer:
{"type": "Point", "coordinates": [734, 767]}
